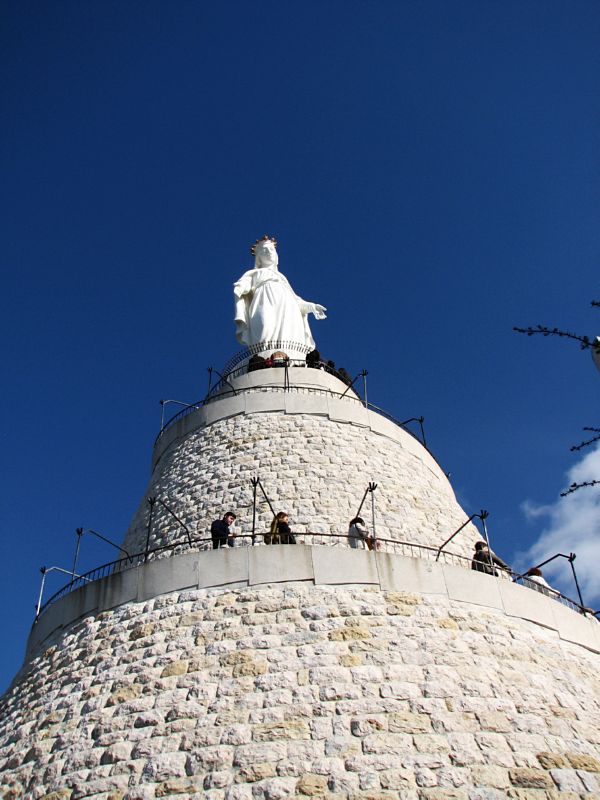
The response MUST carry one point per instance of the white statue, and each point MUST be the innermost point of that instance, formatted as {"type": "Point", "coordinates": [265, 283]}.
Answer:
{"type": "Point", "coordinates": [266, 308]}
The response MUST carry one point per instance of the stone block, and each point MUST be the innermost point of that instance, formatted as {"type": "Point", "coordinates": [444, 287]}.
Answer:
{"type": "Point", "coordinates": [494, 721]}
{"type": "Point", "coordinates": [141, 631]}
{"type": "Point", "coordinates": [349, 633]}
{"type": "Point", "coordinates": [178, 786]}
{"type": "Point", "coordinates": [387, 743]}
{"type": "Point", "coordinates": [174, 668]}
{"type": "Point", "coordinates": [213, 758]}
{"type": "Point", "coordinates": [567, 780]}
{"type": "Point", "coordinates": [407, 722]}
{"type": "Point", "coordinates": [311, 785]}
{"type": "Point", "coordinates": [256, 772]}
{"type": "Point", "coordinates": [530, 778]}
{"type": "Point", "coordinates": [258, 752]}
{"type": "Point", "coordinates": [123, 694]}
{"type": "Point", "coordinates": [398, 779]}
{"type": "Point", "coordinates": [552, 760]}
{"type": "Point", "coordinates": [494, 777]}
{"type": "Point", "coordinates": [582, 761]}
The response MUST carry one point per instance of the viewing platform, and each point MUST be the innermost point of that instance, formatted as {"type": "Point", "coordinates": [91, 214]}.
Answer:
{"type": "Point", "coordinates": [320, 561]}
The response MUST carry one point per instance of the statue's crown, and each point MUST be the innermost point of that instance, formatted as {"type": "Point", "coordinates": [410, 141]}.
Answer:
{"type": "Point", "coordinates": [264, 238]}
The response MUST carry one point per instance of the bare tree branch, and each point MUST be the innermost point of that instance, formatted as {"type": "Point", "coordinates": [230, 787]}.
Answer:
{"type": "Point", "coordinates": [581, 445]}
{"type": "Point", "coordinates": [575, 486]}
{"type": "Point", "coordinates": [584, 341]}
{"type": "Point", "coordinates": [585, 344]}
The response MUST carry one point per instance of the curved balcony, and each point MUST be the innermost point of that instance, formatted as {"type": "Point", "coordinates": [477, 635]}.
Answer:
{"type": "Point", "coordinates": [320, 559]}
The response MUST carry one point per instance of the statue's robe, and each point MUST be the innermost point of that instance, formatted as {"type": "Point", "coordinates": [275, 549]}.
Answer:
{"type": "Point", "coordinates": [266, 309]}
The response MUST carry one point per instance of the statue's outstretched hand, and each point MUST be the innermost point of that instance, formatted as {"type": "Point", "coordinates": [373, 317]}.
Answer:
{"type": "Point", "coordinates": [319, 311]}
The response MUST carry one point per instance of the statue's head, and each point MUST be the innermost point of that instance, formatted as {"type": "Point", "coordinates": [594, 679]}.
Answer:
{"type": "Point", "coordinates": [265, 252]}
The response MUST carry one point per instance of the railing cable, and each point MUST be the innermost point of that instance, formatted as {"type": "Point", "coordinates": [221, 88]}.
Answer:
{"type": "Point", "coordinates": [483, 515]}
{"type": "Point", "coordinates": [175, 517]}
{"type": "Point", "coordinates": [570, 558]}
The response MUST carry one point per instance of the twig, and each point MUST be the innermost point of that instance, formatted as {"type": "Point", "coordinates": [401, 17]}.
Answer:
{"type": "Point", "coordinates": [581, 445]}
{"type": "Point", "coordinates": [584, 341]}
{"type": "Point", "coordinates": [575, 486]}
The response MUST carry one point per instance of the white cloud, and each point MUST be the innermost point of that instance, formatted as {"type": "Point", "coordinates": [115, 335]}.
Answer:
{"type": "Point", "coordinates": [573, 526]}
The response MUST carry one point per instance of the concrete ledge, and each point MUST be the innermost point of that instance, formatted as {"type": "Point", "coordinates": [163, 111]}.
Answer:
{"type": "Point", "coordinates": [525, 603]}
{"type": "Point", "coordinates": [472, 587]}
{"type": "Point", "coordinates": [306, 404]}
{"type": "Point", "coordinates": [276, 564]}
{"type": "Point", "coordinates": [221, 567]}
{"type": "Point", "coordinates": [334, 565]}
{"type": "Point", "coordinates": [159, 575]}
{"type": "Point", "coordinates": [238, 567]}
{"type": "Point", "coordinates": [574, 627]}
{"type": "Point", "coordinates": [410, 575]}
{"type": "Point", "coordinates": [114, 590]}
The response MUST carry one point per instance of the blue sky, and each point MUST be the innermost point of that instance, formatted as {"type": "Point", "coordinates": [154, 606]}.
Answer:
{"type": "Point", "coordinates": [430, 170]}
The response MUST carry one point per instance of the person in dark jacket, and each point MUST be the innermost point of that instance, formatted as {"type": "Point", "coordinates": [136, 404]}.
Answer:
{"type": "Point", "coordinates": [220, 533]}
{"type": "Point", "coordinates": [484, 560]}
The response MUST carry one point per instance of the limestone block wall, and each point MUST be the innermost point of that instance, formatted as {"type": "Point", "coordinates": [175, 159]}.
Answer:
{"type": "Point", "coordinates": [294, 690]}
{"type": "Point", "coordinates": [312, 466]}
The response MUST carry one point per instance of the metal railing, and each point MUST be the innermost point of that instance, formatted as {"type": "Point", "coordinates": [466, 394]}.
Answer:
{"type": "Point", "coordinates": [205, 543]}
{"type": "Point", "coordinates": [244, 369]}
{"type": "Point", "coordinates": [262, 347]}
{"type": "Point", "coordinates": [548, 591]}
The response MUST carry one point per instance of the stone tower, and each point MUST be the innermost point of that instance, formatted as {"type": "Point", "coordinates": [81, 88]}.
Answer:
{"type": "Point", "coordinates": [307, 670]}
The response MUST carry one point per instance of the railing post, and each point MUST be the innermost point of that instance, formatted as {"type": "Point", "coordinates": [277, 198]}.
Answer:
{"type": "Point", "coordinates": [483, 515]}
{"type": "Point", "coordinates": [151, 501]}
{"type": "Point", "coordinates": [372, 487]}
{"type": "Point", "coordinates": [364, 374]}
{"type": "Point", "coordinates": [79, 533]}
{"type": "Point", "coordinates": [571, 559]}
{"type": "Point", "coordinates": [262, 488]}
{"type": "Point", "coordinates": [421, 421]}
{"type": "Point", "coordinates": [254, 485]}
{"type": "Point", "coordinates": [39, 602]}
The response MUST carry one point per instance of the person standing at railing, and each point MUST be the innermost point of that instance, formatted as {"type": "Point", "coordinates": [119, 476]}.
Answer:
{"type": "Point", "coordinates": [280, 532]}
{"type": "Point", "coordinates": [535, 580]}
{"type": "Point", "coordinates": [484, 560]}
{"type": "Point", "coordinates": [358, 535]}
{"type": "Point", "coordinates": [221, 533]}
